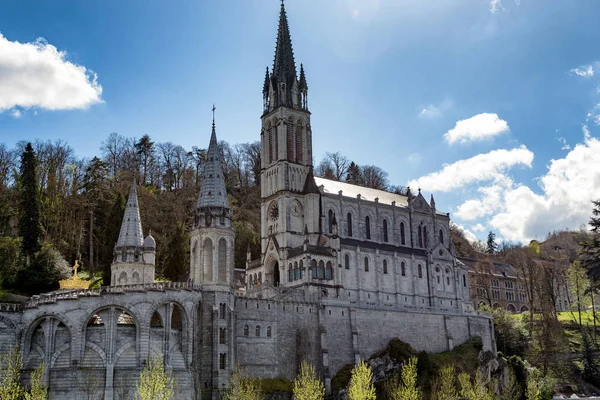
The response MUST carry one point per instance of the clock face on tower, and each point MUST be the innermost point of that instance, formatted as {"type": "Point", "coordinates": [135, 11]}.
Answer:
{"type": "Point", "coordinates": [274, 213]}
{"type": "Point", "coordinates": [295, 208]}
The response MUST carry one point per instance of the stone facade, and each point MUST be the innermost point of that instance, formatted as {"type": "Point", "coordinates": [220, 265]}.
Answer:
{"type": "Point", "coordinates": [343, 270]}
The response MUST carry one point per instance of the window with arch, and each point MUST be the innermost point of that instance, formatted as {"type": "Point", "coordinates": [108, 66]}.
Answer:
{"type": "Point", "coordinates": [222, 260]}
{"type": "Point", "coordinates": [270, 129]}
{"type": "Point", "coordinates": [420, 271]}
{"type": "Point", "coordinates": [222, 361]}
{"type": "Point", "coordinates": [290, 139]}
{"type": "Point", "coordinates": [464, 280]}
{"type": "Point", "coordinates": [385, 269]}
{"type": "Point", "coordinates": [207, 250]}
{"type": "Point", "coordinates": [299, 141]}
{"type": "Point", "coordinates": [425, 237]}
{"type": "Point", "coordinates": [347, 261]}
{"type": "Point", "coordinates": [269, 332]}
{"type": "Point", "coordinates": [368, 227]}
{"type": "Point", "coordinates": [420, 236]}
{"type": "Point", "coordinates": [366, 264]}
{"type": "Point", "coordinates": [385, 230]}
{"type": "Point", "coordinates": [222, 335]}
{"type": "Point", "coordinates": [246, 330]}
{"type": "Point", "coordinates": [313, 268]}
{"type": "Point", "coordinates": [329, 271]}
{"type": "Point", "coordinates": [349, 222]}
{"type": "Point", "coordinates": [300, 268]}
{"type": "Point", "coordinates": [403, 268]}
{"type": "Point", "coordinates": [402, 236]}
{"type": "Point", "coordinates": [222, 310]}
{"type": "Point", "coordinates": [290, 273]}
{"type": "Point", "coordinates": [321, 270]}
{"type": "Point", "coordinates": [260, 277]}
{"type": "Point", "coordinates": [330, 221]}
{"type": "Point", "coordinates": [441, 234]}
{"type": "Point", "coordinates": [296, 271]}
{"type": "Point", "coordinates": [124, 255]}
{"type": "Point", "coordinates": [257, 331]}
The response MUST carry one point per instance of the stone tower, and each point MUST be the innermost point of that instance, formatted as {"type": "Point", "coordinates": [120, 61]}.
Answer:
{"type": "Point", "coordinates": [134, 256]}
{"type": "Point", "coordinates": [290, 211]}
{"type": "Point", "coordinates": [212, 238]}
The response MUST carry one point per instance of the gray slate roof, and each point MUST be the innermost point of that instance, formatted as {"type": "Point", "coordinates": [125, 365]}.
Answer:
{"type": "Point", "coordinates": [212, 189]}
{"type": "Point", "coordinates": [131, 227]}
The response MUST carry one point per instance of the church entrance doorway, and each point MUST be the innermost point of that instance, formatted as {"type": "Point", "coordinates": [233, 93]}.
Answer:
{"type": "Point", "coordinates": [276, 278]}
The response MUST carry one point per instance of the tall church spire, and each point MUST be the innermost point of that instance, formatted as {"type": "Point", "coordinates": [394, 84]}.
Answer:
{"type": "Point", "coordinates": [281, 87]}
{"type": "Point", "coordinates": [131, 227]}
{"type": "Point", "coordinates": [212, 188]}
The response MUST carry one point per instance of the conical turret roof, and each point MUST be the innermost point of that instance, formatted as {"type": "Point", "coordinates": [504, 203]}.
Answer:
{"type": "Point", "coordinates": [131, 227]}
{"type": "Point", "coordinates": [212, 189]}
{"type": "Point", "coordinates": [284, 65]}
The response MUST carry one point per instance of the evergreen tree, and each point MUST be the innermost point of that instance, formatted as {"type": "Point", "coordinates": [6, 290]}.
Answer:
{"type": "Point", "coordinates": [30, 226]}
{"type": "Point", "coordinates": [177, 257]}
{"type": "Point", "coordinates": [591, 369]}
{"type": "Point", "coordinates": [154, 382]}
{"type": "Point", "coordinates": [354, 175]}
{"type": "Point", "coordinates": [590, 248]}
{"type": "Point", "coordinates": [360, 387]}
{"type": "Point", "coordinates": [492, 246]}
{"type": "Point", "coordinates": [306, 385]}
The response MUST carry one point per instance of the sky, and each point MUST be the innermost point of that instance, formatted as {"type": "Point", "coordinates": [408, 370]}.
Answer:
{"type": "Point", "coordinates": [492, 106]}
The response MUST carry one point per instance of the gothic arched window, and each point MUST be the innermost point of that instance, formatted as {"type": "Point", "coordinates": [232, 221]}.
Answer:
{"type": "Point", "coordinates": [420, 269]}
{"type": "Point", "coordinates": [299, 142]}
{"type": "Point", "coordinates": [441, 236]}
{"type": "Point", "coordinates": [464, 280]}
{"type": "Point", "coordinates": [246, 330]}
{"type": "Point", "coordinates": [207, 259]}
{"type": "Point", "coordinates": [222, 260]}
{"type": "Point", "coordinates": [347, 261]}
{"type": "Point", "coordinates": [300, 268]}
{"type": "Point", "coordinates": [257, 332]}
{"type": "Point", "coordinates": [402, 237]}
{"type": "Point", "coordinates": [270, 132]}
{"type": "Point", "coordinates": [290, 139]}
{"type": "Point", "coordinates": [349, 225]}
{"type": "Point", "coordinates": [385, 230]}
{"type": "Point", "coordinates": [321, 270]}
{"type": "Point", "coordinates": [269, 332]}
{"type": "Point", "coordinates": [330, 220]}
{"type": "Point", "coordinates": [420, 236]}
{"type": "Point", "coordinates": [403, 268]}
{"type": "Point", "coordinates": [368, 227]}
{"type": "Point", "coordinates": [385, 269]}
{"type": "Point", "coordinates": [329, 271]}
{"type": "Point", "coordinates": [425, 237]}
{"type": "Point", "coordinates": [290, 273]}
{"type": "Point", "coordinates": [366, 264]}
{"type": "Point", "coordinates": [313, 267]}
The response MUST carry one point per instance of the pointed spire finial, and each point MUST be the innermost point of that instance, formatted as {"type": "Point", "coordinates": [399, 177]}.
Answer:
{"type": "Point", "coordinates": [213, 111]}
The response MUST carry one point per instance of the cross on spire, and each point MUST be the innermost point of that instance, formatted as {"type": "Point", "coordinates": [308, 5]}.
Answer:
{"type": "Point", "coordinates": [213, 111]}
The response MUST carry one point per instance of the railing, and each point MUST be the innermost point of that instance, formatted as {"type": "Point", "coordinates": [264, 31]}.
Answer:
{"type": "Point", "coordinates": [53, 297]}
{"type": "Point", "coordinates": [10, 307]}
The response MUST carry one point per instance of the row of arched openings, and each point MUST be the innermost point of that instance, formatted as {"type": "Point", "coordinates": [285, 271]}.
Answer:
{"type": "Point", "coordinates": [294, 141]}
{"type": "Point", "coordinates": [384, 266]}
{"type": "Point", "coordinates": [295, 271]}
{"type": "Point", "coordinates": [321, 270]}
{"type": "Point", "coordinates": [423, 238]}
{"type": "Point", "coordinates": [257, 331]}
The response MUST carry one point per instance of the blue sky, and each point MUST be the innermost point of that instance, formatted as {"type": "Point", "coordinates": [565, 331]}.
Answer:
{"type": "Point", "coordinates": [389, 81]}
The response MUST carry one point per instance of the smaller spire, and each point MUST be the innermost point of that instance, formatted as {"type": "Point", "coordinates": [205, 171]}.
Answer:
{"type": "Point", "coordinates": [266, 85]}
{"type": "Point", "coordinates": [432, 202]}
{"type": "Point", "coordinates": [302, 86]}
{"type": "Point", "coordinates": [131, 227]}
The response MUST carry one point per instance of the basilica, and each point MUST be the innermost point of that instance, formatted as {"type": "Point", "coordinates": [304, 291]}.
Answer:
{"type": "Point", "coordinates": [343, 269]}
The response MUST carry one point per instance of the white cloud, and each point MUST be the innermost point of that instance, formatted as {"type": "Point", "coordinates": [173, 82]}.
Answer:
{"type": "Point", "coordinates": [565, 145]}
{"type": "Point", "coordinates": [480, 126]}
{"type": "Point", "coordinates": [490, 201]}
{"type": "Point", "coordinates": [478, 228]}
{"type": "Point", "coordinates": [495, 6]}
{"type": "Point", "coordinates": [433, 111]}
{"type": "Point", "coordinates": [38, 75]}
{"type": "Point", "coordinates": [585, 71]}
{"type": "Point", "coordinates": [481, 168]}
{"type": "Point", "coordinates": [16, 113]}
{"type": "Point", "coordinates": [470, 236]}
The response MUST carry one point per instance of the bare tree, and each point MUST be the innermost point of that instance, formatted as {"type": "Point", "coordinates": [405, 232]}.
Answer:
{"type": "Point", "coordinates": [252, 156]}
{"type": "Point", "coordinates": [112, 150]}
{"type": "Point", "coordinates": [325, 169]}
{"type": "Point", "coordinates": [8, 160]}
{"type": "Point", "coordinates": [339, 164]}
{"type": "Point", "coordinates": [374, 177]}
